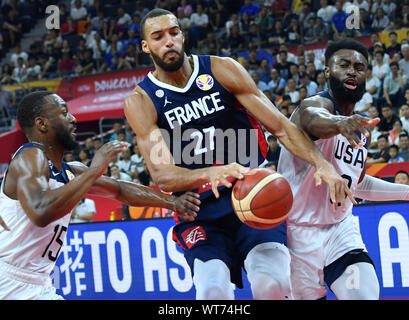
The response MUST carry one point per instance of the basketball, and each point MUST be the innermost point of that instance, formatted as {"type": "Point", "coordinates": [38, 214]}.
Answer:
{"type": "Point", "coordinates": [262, 199]}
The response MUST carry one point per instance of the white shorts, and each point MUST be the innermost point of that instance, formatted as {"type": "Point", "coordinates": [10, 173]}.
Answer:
{"type": "Point", "coordinates": [314, 247]}
{"type": "Point", "coordinates": [18, 284]}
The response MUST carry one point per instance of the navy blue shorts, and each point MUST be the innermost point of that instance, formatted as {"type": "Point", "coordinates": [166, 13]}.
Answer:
{"type": "Point", "coordinates": [226, 239]}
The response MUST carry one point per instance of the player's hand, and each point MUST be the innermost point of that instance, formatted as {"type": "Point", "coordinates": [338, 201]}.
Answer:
{"type": "Point", "coordinates": [219, 174]}
{"type": "Point", "coordinates": [348, 126]}
{"type": "Point", "coordinates": [338, 187]}
{"type": "Point", "coordinates": [187, 205]}
{"type": "Point", "coordinates": [105, 154]}
{"type": "Point", "coordinates": [3, 224]}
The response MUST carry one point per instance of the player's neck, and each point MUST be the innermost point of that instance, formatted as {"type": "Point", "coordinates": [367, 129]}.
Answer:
{"type": "Point", "coordinates": [53, 153]}
{"type": "Point", "coordinates": [346, 107]}
{"type": "Point", "coordinates": [177, 78]}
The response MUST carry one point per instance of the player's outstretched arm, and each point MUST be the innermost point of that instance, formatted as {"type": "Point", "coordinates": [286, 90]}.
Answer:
{"type": "Point", "coordinates": [314, 116]}
{"type": "Point", "coordinates": [29, 171]}
{"type": "Point", "coordinates": [137, 195]}
{"type": "Point", "coordinates": [237, 80]}
{"type": "Point", "coordinates": [375, 189]}
{"type": "Point", "coordinates": [142, 117]}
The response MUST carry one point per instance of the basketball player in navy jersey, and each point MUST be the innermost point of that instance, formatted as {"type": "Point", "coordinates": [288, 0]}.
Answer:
{"type": "Point", "coordinates": [177, 112]}
{"type": "Point", "coordinates": [326, 247]}
{"type": "Point", "coordinates": [39, 190]}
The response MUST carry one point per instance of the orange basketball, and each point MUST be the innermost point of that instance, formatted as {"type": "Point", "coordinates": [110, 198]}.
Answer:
{"type": "Point", "coordinates": [262, 199]}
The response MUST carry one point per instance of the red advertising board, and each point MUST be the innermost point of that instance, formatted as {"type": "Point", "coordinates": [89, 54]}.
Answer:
{"type": "Point", "coordinates": [107, 82]}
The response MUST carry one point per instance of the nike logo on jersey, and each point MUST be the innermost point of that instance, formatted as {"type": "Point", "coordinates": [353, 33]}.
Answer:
{"type": "Point", "coordinates": [194, 110]}
{"type": "Point", "coordinates": [166, 102]}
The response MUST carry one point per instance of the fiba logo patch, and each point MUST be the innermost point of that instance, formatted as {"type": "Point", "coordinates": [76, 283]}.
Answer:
{"type": "Point", "coordinates": [363, 139]}
{"type": "Point", "coordinates": [69, 175]}
{"type": "Point", "coordinates": [204, 82]}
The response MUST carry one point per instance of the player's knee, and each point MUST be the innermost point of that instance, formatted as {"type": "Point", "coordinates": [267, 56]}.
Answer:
{"type": "Point", "coordinates": [215, 291]}
{"type": "Point", "coordinates": [270, 286]}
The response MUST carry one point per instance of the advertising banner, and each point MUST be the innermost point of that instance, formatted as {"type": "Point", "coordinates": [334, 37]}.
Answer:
{"type": "Point", "coordinates": [139, 260]}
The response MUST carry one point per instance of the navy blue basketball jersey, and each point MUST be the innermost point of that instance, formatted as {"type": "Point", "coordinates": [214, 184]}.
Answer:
{"type": "Point", "coordinates": [204, 125]}
{"type": "Point", "coordinates": [64, 176]}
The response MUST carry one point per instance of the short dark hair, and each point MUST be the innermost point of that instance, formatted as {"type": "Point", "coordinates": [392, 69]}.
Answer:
{"type": "Point", "coordinates": [394, 63]}
{"type": "Point", "coordinates": [383, 136]}
{"type": "Point", "coordinates": [402, 171]}
{"type": "Point", "coordinates": [345, 44]}
{"type": "Point", "coordinates": [30, 107]}
{"type": "Point", "coordinates": [157, 12]}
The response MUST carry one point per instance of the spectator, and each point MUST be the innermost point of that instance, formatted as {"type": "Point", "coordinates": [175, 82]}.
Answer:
{"type": "Point", "coordinates": [373, 84]}
{"type": "Point", "coordinates": [393, 86]}
{"type": "Point", "coordinates": [209, 44]}
{"type": "Point", "coordinates": [277, 35]}
{"type": "Point", "coordinates": [33, 70]}
{"type": "Point", "coordinates": [184, 23]}
{"type": "Point", "coordinates": [111, 60]}
{"type": "Point", "coordinates": [97, 144]}
{"type": "Point", "coordinates": [78, 12]}
{"type": "Point", "coordinates": [233, 41]}
{"type": "Point", "coordinates": [274, 149]}
{"type": "Point", "coordinates": [293, 31]}
{"type": "Point", "coordinates": [401, 177]}
{"type": "Point", "coordinates": [137, 158]}
{"type": "Point", "coordinates": [140, 9]}
{"type": "Point", "coordinates": [380, 21]}
{"type": "Point", "coordinates": [283, 66]}
{"type": "Point", "coordinates": [87, 65]}
{"type": "Point", "coordinates": [294, 73]}
{"type": "Point", "coordinates": [380, 68]}
{"type": "Point", "coordinates": [98, 47]}
{"type": "Point", "coordinates": [88, 35]}
{"type": "Point", "coordinates": [123, 18]}
{"type": "Point", "coordinates": [6, 76]}
{"type": "Point", "coordinates": [250, 8]}
{"type": "Point", "coordinates": [277, 84]}
{"type": "Point", "coordinates": [265, 70]}
{"type": "Point", "coordinates": [69, 27]}
{"type": "Point", "coordinates": [89, 147]}
{"type": "Point", "coordinates": [309, 32]}
{"type": "Point", "coordinates": [404, 63]}
{"type": "Point", "coordinates": [388, 119]}
{"type": "Point", "coordinates": [97, 22]}
{"type": "Point", "coordinates": [389, 8]}
{"type": "Point", "coordinates": [404, 146]}
{"type": "Point", "coordinates": [404, 114]}
{"type": "Point", "coordinates": [260, 84]}
{"type": "Point", "coordinates": [254, 62]}
{"type": "Point", "coordinates": [291, 90]}
{"type": "Point", "coordinates": [13, 27]}
{"type": "Point", "coordinates": [7, 99]}
{"type": "Point", "coordinates": [84, 158]}
{"type": "Point", "coordinates": [306, 82]}
{"type": "Point", "coordinates": [321, 30]}
{"type": "Point", "coordinates": [302, 94]}
{"type": "Point", "coordinates": [126, 165]}
{"type": "Point", "coordinates": [363, 105]}
{"type": "Point", "coordinates": [116, 127]}
{"type": "Point", "coordinates": [200, 23]}
{"type": "Point", "coordinates": [129, 59]}
{"type": "Point", "coordinates": [278, 8]}
{"type": "Point", "coordinates": [321, 82]}
{"type": "Point", "coordinates": [18, 53]}
{"type": "Point", "coordinates": [394, 156]}
{"type": "Point", "coordinates": [326, 11]}
{"type": "Point", "coordinates": [394, 46]}
{"type": "Point", "coordinates": [383, 154]}
{"type": "Point", "coordinates": [394, 134]}
{"type": "Point", "coordinates": [234, 21]}
{"type": "Point", "coordinates": [66, 65]}
{"type": "Point", "coordinates": [338, 21]}
{"type": "Point", "coordinates": [402, 19]}
{"type": "Point", "coordinates": [69, 156]}
{"type": "Point", "coordinates": [185, 8]}
{"type": "Point", "coordinates": [305, 15]}
{"type": "Point", "coordinates": [84, 211]}
{"type": "Point", "coordinates": [373, 147]}
{"type": "Point", "coordinates": [115, 173]}
{"type": "Point", "coordinates": [20, 70]}
{"type": "Point", "coordinates": [264, 21]}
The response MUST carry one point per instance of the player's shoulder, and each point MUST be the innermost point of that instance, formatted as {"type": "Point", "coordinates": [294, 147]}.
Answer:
{"type": "Point", "coordinates": [30, 160]}
{"type": "Point", "coordinates": [317, 101]}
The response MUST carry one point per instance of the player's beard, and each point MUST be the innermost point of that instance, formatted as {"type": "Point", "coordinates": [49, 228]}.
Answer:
{"type": "Point", "coordinates": [343, 94]}
{"type": "Point", "coordinates": [66, 140]}
{"type": "Point", "coordinates": [172, 66]}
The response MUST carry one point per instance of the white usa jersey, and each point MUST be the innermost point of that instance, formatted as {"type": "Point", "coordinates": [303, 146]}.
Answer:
{"type": "Point", "coordinates": [312, 205]}
{"type": "Point", "coordinates": [27, 246]}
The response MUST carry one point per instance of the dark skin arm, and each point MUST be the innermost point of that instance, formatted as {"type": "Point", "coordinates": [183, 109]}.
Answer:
{"type": "Point", "coordinates": [137, 195]}
{"type": "Point", "coordinates": [315, 117]}
{"type": "Point", "coordinates": [27, 181]}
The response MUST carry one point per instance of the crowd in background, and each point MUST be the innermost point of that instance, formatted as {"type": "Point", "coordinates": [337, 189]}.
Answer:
{"type": "Point", "coordinates": [99, 36]}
